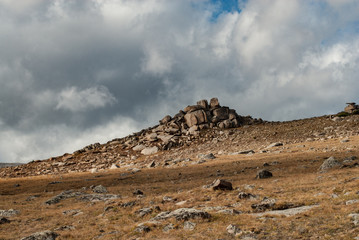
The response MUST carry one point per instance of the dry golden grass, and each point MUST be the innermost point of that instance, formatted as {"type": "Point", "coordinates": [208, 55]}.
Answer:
{"type": "Point", "coordinates": [296, 180]}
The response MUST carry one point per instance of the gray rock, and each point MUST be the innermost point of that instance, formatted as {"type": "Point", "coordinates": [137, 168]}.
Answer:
{"type": "Point", "coordinates": [98, 197]}
{"type": "Point", "coordinates": [46, 235]}
{"type": "Point", "coordinates": [233, 229]}
{"type": "Point", "coordinates": [139, 147]}
{"type": "Point", "coordinates": [168, 227]}
{"type": "Point", "coordinates": [149, 150]}
{"type": "Point", "coordinates": [287, 212]}
{"type": "Point", "coordinates": [244, 195]}
{"type": "Point", "coordinates": [99, 189]}
{"type": "Point", "coordinates": [206, 156]}
{"type": "Point", "coordinates": [62, 196]}
{"type": "Point", "coordinates": [350, 202]}
{"type": "Point", "coordinates": [142, 228]}
{"type": "Point", "coordinates": [264, 174]}
{"type": "Point", "coordinates": [329, 163]}
{"type": "Point", "coordinates": [355, 218]}
{"type": "Point", "coordinates": [65, 228]}
{"type": "Point", "coordinates": [144, 211]}
{"type": "Point", "coordinates": [183, 214]}
{"type": "Point", "coordinates": [9, 213]}
{"type": "Point", "coordinates": [189, 225]}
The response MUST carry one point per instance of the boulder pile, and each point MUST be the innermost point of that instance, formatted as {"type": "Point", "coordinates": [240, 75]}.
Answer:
{"type": "Point", "coordinates": [189, 121]}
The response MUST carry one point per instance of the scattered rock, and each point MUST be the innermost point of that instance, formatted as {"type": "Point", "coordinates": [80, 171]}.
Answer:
{"type": "Point", "coordinates": [144, 211]}
{"type": "Point", "coordinates": [99, 189]}
{"type": "Point", "coordinates": [149, 150]}
{"type": "Point", "coordinates": [46, 235]}
{"type": "Point", "coordinates": [229, 211]}
{"type": "Point", "coordinates": [65, 228]}
{"type": "Point", "coordinates": [189, 225]}
{"type": "Point", "coordinates": [183, 214]}
{"type": "Point", "coordinates": [264, 174]}
{"type": "Point", "coordinates": [168, 227]}
{"type": "Point", "coordinates": [142, 228]}
{"type": "Point", "coordinates": [9, 213]}
{"type": "Point", "coordinates": [151, 164]}
{"type": "Point", "coordinates": [329, 163]}
{"type": "Point", "coordinates": [266, 203]}
{"type": "Point", "coordinates": [139, 147]}
{"type": "Point", "coordinates": [62, 196]}
{"type": "Point", "coordinates": [244, 195]}
{"type": "Point", "coordinates": [137, 192]}
{"type": "Point", "coordinates": [355, 218]}
{"type": "Point", "coordinates": [233, 230]}
{"type": "Point", "coordinates": [277, 144]}
{"type": "Point", "coordinates": [350, 202]}
{"type": "Point", "coordinates": [220, 184]}
{"type": "Point", "coordinates": [114, 166]}
{"type": "Point", "coordinates": [72, 212]}
{"type": "Point", "coordinates": [287, 212]}
{"type": "Point", "coordinates": [206, 156]}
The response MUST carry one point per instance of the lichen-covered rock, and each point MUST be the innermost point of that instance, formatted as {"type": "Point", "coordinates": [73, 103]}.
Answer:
{"type": "Point", "coordinates": [45, 235]}
{"type": "Point", "coordinates": [183, 214]}
{"type": "Point", "coordinates": [330, 163]}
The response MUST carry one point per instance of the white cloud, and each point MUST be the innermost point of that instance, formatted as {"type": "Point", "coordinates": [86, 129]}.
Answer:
{"type": "Point", "coordinates": [74, 66]}
{"type": "Point", "coordinates": [75, 100]}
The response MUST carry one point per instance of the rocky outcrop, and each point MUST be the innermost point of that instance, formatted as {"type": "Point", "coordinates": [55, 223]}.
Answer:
{"type": "Point", "coordinates": [351, 108]}
{"type": "Point", "coordinates": [193, 124]}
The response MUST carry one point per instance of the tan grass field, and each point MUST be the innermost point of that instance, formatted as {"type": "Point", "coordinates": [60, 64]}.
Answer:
{"type": "Point", "coordinates": [296, 180]}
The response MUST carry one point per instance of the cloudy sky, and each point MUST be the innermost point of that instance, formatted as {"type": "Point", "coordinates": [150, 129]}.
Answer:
{"type": "Point", "coordinates": [76, 72]}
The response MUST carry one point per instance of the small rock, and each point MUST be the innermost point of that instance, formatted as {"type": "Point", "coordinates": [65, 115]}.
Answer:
{"type": "Point", "coordinates": [233, 230]}
{"type": "Point", "coordinates": [181, 203]}
{"type": "Point", "coordinates": [183, 214]}
{"type": "Point", "coordinates": [350, 202]}
{"type": "Point", "coordinates": [206, 156]}
{"type": "Point", "coordinates": [220, 184]}
{"type": "Point", "coordinates": [46, 235]}
{"type": "Point", "coordinates": [244, 195]}
{"type": "Point", "coordinates": [114, 166]}
{"type": "Point", "coordinates": [4, 220]}
{"type": "Point", "coordinates": [144, 211]}
{"type": "Point", "coordinates": [168, 227]}
{"type": "Point", "coordinates": [65, 228]}
{"type": "Point", "coordinates": [139, 147]}
{"type": "Point", "coordinates": [329, 163]}
{"type": "Point", "coordinates": [151, 164]}
{"type": "Point", "coordinates": [9, 213]}
{"type": "Point", "coordinates": [142, 228]}
{"type": "Point", "coordinates": [189, 225]}
{"type": "Point", "coordinates": [277, 144]}
{"type": "Point", "coordinates": [264, 174]}
{"type": "Point", "coordinates": [355, 217]}
{"type": "Point", "coordinates": [94, 170]}
{"type": "Point", "coordinates": [99, 189]}
{"type": "Point", "coordinates": [137, 192]}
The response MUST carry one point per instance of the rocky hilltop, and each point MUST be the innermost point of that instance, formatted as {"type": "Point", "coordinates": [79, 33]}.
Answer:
{"type": "Point", "coordinates": [181, 130]}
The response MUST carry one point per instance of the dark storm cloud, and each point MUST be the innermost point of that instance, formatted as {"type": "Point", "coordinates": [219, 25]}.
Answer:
{"type": "Point", "coordinates": [76, 72]}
